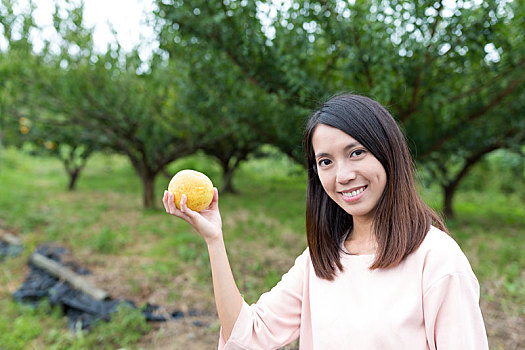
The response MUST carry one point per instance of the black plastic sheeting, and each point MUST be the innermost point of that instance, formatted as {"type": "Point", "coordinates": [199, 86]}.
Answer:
{"type": "Point", "coordinates": [81, 309]}
{"type": "Point", "coordinates": [9, 250]}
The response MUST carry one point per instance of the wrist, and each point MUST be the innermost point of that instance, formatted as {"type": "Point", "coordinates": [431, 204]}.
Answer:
{"type": "Point", "coordinates": [214, 241]}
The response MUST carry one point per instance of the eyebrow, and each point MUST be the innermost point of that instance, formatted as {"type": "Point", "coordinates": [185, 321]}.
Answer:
{"type": "Point", "coordinates": [350, 146]}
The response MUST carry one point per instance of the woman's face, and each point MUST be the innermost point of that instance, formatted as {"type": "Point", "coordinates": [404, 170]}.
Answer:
{"type": "Point", "coordinates": [349, 173]}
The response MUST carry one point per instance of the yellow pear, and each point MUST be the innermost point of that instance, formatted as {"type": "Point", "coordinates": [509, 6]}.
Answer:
{"type": "Point", "coordinates": [195, 185]}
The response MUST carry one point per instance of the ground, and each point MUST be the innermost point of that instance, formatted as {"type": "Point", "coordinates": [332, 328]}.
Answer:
{"type": "Point", "coordinates": [199, 329]}
{"type": "Point", "coordinates": [505, 330]}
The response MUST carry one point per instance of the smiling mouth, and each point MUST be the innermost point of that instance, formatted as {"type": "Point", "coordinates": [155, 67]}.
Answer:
{"type": "Point", "coordinates": [353, 193]}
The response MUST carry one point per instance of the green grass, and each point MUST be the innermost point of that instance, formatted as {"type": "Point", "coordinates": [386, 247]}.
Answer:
{"type": "Point", "coordinates": [493, 234]}
{"type": "Point", "coordinates": [143, 252]}
{"type": "Point", "coordinates": [23, 327]}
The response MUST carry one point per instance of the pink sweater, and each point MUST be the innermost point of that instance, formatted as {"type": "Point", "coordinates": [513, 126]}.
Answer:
{"type": "Point", "coordinates": [429, 301]}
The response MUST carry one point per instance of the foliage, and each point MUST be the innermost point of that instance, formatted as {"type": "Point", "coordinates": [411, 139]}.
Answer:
{"type": "Point", "coordinates": [446, 72]}
{"type": "Point", "coordinates": [52, 136]}
{"type": "Point", "coordinates": [453, 75]}
{"type": "Point", "coordinates": [46, 131]}
{"type": "Point", "coordinates": [233, 31]}
{"type": "Point", "coordinates": [16, 63]}
{"type": "Point", "coordinates": [510, 169]}
{"type": "Point", "coordinates": [235, 118]}
{"type": "Point", "coordinates": [106, 101]}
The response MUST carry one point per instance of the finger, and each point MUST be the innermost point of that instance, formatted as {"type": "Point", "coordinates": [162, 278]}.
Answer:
{"type": "Point", "coordinates": [171, 203]}
{"type": "Point", "coordinates": [181, 215]}
{"type": "Point", "coordinates": [172, 209]}
{"type": "Point", "coordinates": [183, 200]}
{"type": "Point", "coordinates": [184, 207]}
{"type": "Point", "coordinates": [165, 201]}
{"type": "Point", "coordinates": [215, 200]}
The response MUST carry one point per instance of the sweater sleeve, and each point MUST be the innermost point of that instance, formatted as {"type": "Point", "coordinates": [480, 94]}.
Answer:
{"type": "Point", "coordinates": [275, 319]}
{"type": "Point", "coordinates": [453, 318]}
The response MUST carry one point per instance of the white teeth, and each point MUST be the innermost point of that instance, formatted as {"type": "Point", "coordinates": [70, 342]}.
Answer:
{"type": "Point", "coordinates": [353, 193]}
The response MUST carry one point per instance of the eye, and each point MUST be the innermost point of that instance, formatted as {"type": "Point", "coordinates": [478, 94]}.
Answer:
{"type": "Point", "coordinates": [324, 162]}
{"type": "Point", "coordinates": [357, 153]}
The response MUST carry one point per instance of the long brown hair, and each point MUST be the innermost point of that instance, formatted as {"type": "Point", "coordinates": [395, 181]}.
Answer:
{"type": "Point", "coordinates": [401, 218]}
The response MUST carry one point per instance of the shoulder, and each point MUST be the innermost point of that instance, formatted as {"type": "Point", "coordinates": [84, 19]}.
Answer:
{"type": "Point", "coordinates": [295, 277]}
{"type": "Point", "coordinates": [304, 260]}
{"type": "Point", "coordinates": [442, 256]}
{"type": "Point", "coordinates": [437, 242]}
{"type": "Point", "coordinates": [302, 263]}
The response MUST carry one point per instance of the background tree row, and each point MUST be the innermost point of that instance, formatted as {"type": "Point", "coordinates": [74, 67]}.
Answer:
{"type": "Point", "coordinates": [231, 76]}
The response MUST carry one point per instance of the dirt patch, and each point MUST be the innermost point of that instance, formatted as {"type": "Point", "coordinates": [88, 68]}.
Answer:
{"type": "Point", "coordinates": [198, 333]}
{"type": "Point", "coordinates": [505, 327]}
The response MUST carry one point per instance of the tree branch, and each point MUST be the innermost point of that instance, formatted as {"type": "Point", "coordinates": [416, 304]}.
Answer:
{"type": "Point", "coordinates": [480, 112]}
{"type": "Point", "coordinates": [417, 84]}
{"type": "Point", "coordinates": [368, 74]}
{"type": "Point", "coordinates": [489, 83]}
{"type": "Point", "coordinates": [470, 161]}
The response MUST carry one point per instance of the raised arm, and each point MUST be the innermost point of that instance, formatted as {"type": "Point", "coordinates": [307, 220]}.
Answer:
{"type": "Point", "coordinates": [208, 224]}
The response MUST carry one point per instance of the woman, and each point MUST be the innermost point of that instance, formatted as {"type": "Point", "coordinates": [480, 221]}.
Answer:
{"type": "Point", "coordinates": [379, 271]}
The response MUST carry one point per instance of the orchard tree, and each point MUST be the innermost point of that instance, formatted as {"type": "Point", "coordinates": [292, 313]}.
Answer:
{"type": "Point", "coordinates": [479, 107]}
{"type": "Point", "coordinates": [25, 118]}
{"type": "Point", "coordinates": [233, 118]}
{"type": "Point", "coordinates": [53, 135]}
{"type": "Point", "coordinates": [16, 62]}
{"type": "Point", "coordinates": [214, 31]}
{"type": "Point", "coordinates": [43, 123]}
{"type": "Point", "coordinates": [439, 68]}
{"type": "Point", "coordinates": [116, 99]}
{"type": "Point", "coordinates": [135, 115]}
{"type": "Point", "coordinates": [470, 145]}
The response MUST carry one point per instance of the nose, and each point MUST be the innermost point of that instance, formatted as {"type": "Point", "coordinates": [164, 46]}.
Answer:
{"type": "Point", "coordinates": [345, 173]}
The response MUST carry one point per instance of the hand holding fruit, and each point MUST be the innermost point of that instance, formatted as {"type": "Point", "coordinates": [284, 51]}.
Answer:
{"type": "Point", "coordinates": [192, 197]}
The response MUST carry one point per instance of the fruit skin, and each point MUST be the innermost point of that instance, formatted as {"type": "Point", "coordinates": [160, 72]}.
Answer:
{"type": "Point", "coordinates": [195, 185]}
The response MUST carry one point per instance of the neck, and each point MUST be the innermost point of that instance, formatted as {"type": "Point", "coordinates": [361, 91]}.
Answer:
{"type": "Point", "coordinates": [361, 240]}
{"type": "Point", "coordinates": [362, 230]}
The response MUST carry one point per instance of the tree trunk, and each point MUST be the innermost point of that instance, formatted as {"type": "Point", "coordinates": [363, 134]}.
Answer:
{"type": "Point", "coordinates": [228, 169]}
{"type": "Point", "coordinates": [147, 176]}
{"type": "Point", "coordinates": [148, 182]}
{"type": "Point", "coordinates": [448, 196]}
{"type": "Point", "coordinates": [227, 180]}
{"type": "Point", "coordinates": [70, 164]}
{"type": "Point", "coordinates": [450, 189]}
{"type": "Point", "coordinates": [73, 177]}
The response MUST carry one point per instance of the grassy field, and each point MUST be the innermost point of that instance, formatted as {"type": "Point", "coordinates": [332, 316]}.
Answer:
{"type": "Point", "coordinates": [149, 256]}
